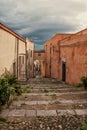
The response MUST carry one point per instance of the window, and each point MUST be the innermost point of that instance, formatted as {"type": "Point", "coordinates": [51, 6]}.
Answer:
{"type": "Point", "coordinates": [53, 49]}
{"type": "Point", "coordinates": [39, 54]}
{"type": "Point", "coordinates": [14, 68]}
{"type": "Point", "coordinates": [21, 59]}
{"type": "Point", "coordinates": [31, 53]}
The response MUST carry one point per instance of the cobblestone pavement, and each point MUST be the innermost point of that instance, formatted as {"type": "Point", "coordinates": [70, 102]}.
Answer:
{"type": "Point", "coordinates": [46, 101]}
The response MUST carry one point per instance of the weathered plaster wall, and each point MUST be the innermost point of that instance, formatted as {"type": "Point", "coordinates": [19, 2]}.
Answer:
{"type": "Point", "coordinates": [52, 55]}
{"type": "Point", "coordinates": [30, 58]}
{"type": "Point", "coordinates": [74, 51]}
{"type": "Point", "coordinates": [7, 51]}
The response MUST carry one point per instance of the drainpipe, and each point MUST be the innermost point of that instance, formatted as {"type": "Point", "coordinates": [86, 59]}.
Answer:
{"type": "Point", "coordinates": [59, 59]}
{"type": "Point", "coordinates": [50, 60]}
{"type": "Point", "coordinates": [26, 60]}
{"type": "Point", "coordinates": [17, 56]}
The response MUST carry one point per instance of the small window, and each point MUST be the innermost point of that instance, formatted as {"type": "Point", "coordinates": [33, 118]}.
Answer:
{"type": "Point", "coordinates": [53, 49]}
{"type": "Point", "coordinates": [22, 59]}
{"type": "Point", "coordinates": [19, 59]}
{"type": "Point", "coordinates": [31, 53]}
{"type": "Point", "coordinates": [14, 68]}
{"type": "Point", "coordinates": [39, 54]}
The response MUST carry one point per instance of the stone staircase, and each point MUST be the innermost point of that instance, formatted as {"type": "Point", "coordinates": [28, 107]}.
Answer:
{"type": "Point", "coordinates": [48, 97]}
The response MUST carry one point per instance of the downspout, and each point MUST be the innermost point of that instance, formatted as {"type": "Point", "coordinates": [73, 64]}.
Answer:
{"type": "Point", "coordinates": [17, 56]}
{"type": "Point", "coordinates": [33, 60]}
{"type": "Point", "coordinates": [46, 60]}
{"type": "Point", "coordinates": [26, 60]}
{"type": "Point", "coordinates": [50, 60]}
{"type": "Point", "coordinates": [58, 59]}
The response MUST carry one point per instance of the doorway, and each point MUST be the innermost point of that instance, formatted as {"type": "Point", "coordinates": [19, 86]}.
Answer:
{"type": "Point", "coordinates": [63, 71]}
{"type": "Point", "coordinates": [21, 67]}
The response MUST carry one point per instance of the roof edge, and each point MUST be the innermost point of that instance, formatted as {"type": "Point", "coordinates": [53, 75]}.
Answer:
{"type": "Point", "coordinates": [2, 26]}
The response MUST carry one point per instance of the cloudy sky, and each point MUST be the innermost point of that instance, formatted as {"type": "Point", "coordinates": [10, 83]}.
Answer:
{"type": "Point", "coordinates": [41, 19]}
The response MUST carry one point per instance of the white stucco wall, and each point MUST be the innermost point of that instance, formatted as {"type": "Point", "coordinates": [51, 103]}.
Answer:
{"type": "Point", "coordinates": [21, 47]}
{"type": "Point", "coordinates": [22, 63]}
{"type": "Point", "coordinates": [7, 51]}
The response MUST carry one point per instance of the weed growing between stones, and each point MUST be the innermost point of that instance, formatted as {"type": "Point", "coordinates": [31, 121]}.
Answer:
{"type": "Point", "coordinates": [46, 90]}
{"type": "Point", "coordinates": [2, 119]}
{"type": "Point", "coordinates": [26, 90]}
{"type": "Point", "coordinates": [84, 125]}
{"type": "Point", "coordinates": [22, 104]}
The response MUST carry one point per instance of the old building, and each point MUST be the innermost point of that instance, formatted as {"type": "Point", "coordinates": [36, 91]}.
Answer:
{"type": "Point", "coordinates": [13, 50]}
{"type": "Point", "coordinates": [66, 57]}
{"type": "Point", "coordinates": [73, 57]}
{"type": "Point", "coordinates": [39, 56]}
{"type": "Point", "coordinates": [52, 55]}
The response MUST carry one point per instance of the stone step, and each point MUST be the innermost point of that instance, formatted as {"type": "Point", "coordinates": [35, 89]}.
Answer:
{"type": "Point", "coordinates": [52, 93]}
{"type": "Point", "coordinates": [31, 113]}
{"type": "Point", "coordinates": [53, 87]}
{"type": "Point", "coordinates": [19, 103]}
{"type": "Point", "coordinates": [55, 90]}
{"type": "Point", "coordinates": [50, 106]}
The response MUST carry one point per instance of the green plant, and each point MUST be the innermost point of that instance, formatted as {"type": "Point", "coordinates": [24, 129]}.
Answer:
{"type": "Point", "coordinates": [4, 91]}
{"type": "Point", "coordinates": [63, 116]}
{"type": "Point", "coordinates": [46, 94]}
{"type": "Point", "coordinates": [80, 85]}
{"type": "Point", "coordinates": [84, 81]}
{"type": "Point", "coordinates": [46, 90]}
{"type": "Point", "coordinates": [26, 90]}
{"type": "Point", "coordinates": [22, 104]}
{"type": "Point", "coordinates": [2, 119]}
{"type": "Point", "coordinates": [25, 97]}
{"type": "Point", "coordinates": [39, 118]}
{"type": "Point", "coordinates": [15, 98]}
{"type": "Point", "coordinates": [12, 81]}
{"type": "Point", "coordinates": [84, 125]}
{"type": "Point", "coordinates": [54, 94]}
{"type": "Point", "coordinates": [8, 86]}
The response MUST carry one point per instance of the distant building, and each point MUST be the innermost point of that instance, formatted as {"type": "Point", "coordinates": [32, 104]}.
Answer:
{"type": "Point", "coordinates": [40, 56]}
{"type": "Point", "coordinates": [13, 50]}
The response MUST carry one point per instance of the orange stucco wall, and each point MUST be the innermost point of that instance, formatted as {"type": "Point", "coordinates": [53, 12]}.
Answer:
{"type": "Point", "coordinates": [52, 55]}
{"type": "Point", "coordinates": [72, 49]}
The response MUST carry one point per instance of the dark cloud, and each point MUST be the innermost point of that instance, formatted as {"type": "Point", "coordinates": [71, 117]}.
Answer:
{"type": "Point", "coordinates": [41, 19]}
